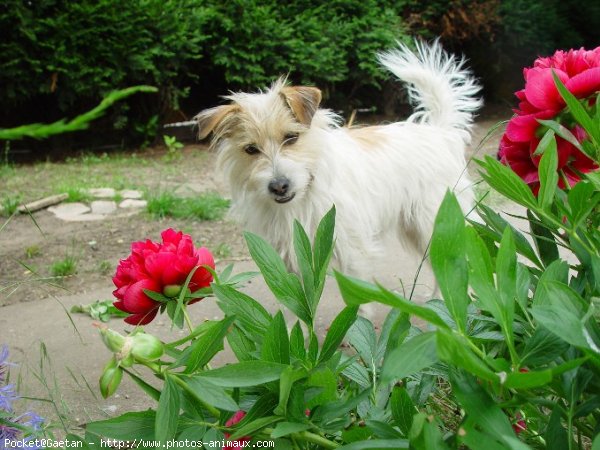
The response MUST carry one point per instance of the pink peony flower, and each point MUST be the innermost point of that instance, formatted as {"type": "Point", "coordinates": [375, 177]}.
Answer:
{"type": "Point", "coordinates": [238, 443]}
{"type": "Point", "coordinates": [579, 70]}
{"type": "Point", "coordinates": [158, 267]}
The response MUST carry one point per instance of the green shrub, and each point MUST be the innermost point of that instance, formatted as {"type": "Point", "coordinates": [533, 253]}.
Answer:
{"type": "Point", "coordinates": [68, 55]}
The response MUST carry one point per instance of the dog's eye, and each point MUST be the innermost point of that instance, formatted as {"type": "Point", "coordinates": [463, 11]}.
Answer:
{"type": "Point", "coordinates": [251, 149]}
{"type": "Point", "coordinates": [290, 138]}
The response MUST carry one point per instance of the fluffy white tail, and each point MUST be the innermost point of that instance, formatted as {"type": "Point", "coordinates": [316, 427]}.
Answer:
{"type": "Point", "coordinates": [443, 91]}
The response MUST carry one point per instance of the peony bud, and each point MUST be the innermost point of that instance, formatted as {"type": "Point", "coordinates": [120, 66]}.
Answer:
{"type": "Point", "coordinates": [171, 290]}
{"type": "Point", "coordinates": [111, 378]}
{"type": "Point", "coordinates": [146, 348]}
{"type": "Point", "coordinates": [113, 340]}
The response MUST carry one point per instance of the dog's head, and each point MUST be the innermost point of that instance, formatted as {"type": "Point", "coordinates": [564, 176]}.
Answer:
{"type": "Point", "coordinates": [264, 141]}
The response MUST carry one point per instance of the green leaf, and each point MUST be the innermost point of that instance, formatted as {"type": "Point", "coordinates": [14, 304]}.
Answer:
{"type": "Point", "coordinates": [582, 198]}
{"type": "Point", "coordinates": [202, 350]}
{"type": "Point", "coordinates": [304, 257]}
{"type": "Point", "coordinates": [240, 344]}
{"type": "Point", "coordinates": [376, 444]}
{"type": "Point", "coordinates": [579, 113]}
{"type": "Point", "coordinates": [480, 407]}
{"type": "Point", "coordinates": [150, 390]}
{"type": "Point", "coordinates": [131, 425]}
{"type": "Point", "coordinates": [362, 337]}
{"type": "Point", "coordinates": [297, 349]}
{"type": "Point", "coordinates": [324, 243]}
{"type": "Point", "coordinates": [276, 344]}
{"type": "Point", "coordinates": [285, 286]}
{"type": "Point", "coordinates": [356, 292]}
{"type": "Point", "coordinates": [494, 229]}
{"type": "Point", "coordinates": [243, 374]}
{"type": "Point", "coordinates": [285, 428]}
{"type": "Point", "coordinates": [403, 409]}
{"type": "Point", "coordinates": [547, 170]}
{"type": "Point", "coordinates": [507, 182]}
{"type": "Point", "coordinates": [448, 258]}
{"type": "Point", "coordinates": [288, 377]}
{"type": "Point", "coordinates": [337, 331]}
{"type": "Point", "coordinates": [556, 436]}
{"type": "Point", "coordinates": [412, 356]}
{"type": "Point", "coordinates": [542, 348]}
{"type": "Point", "coordinates": [321, 388]}
{"type": "Point", "coordinates": [425, 434]}
{"type": "Point", "coordinates": [528, 380]}
{"type": "Point", "coordinates": [251, 428]}
{"type": "Point", "coordinates": [252, 316]}
{"type": "Point", "coordinates": [561, 131]}
{"type": "Point", "coordinates": [167, 413]}
{"type": "Point", "coordinates": [562, 322]}
{"type": "Point", "coordinates": [453, 349]}
{"type": "Point", "coordinates": [543, 239]}
{"type": "Point", "coordinates": [506, 280]}
{"type": "Point", "coordinates": [207, 391]}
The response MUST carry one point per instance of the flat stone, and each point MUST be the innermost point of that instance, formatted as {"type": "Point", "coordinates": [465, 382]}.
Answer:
{"type": "Point", "coordinates": [69, 211]}
{"type": "Point", "coordinates": [131, 194]}
{"type": "Point", "coordinates": [103, 207]}
{"type": "Point", "coordinates": [133, 203]}
{"type": "Point", "coordinates": [102, 192]}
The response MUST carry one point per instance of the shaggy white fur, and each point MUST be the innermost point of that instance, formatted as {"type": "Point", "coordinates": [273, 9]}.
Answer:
{"type": "Point", "coordinates": [286, 159]}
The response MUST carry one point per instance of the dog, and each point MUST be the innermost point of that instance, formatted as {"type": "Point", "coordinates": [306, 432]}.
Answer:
{"type": "Point", "coordinates": [286, 159]}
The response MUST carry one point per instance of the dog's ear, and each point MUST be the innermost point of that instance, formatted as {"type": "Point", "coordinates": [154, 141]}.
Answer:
{"type": "Point", "coordinates": [303, 101]}
{"type": "Point", "coordinates": [209, 119]}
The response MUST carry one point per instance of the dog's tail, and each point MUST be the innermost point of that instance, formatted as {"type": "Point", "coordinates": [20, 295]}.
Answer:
{"type": "Point", "coordinates": [443, 90]}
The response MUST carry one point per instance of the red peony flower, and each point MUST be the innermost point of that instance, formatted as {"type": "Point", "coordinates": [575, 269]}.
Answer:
{"type": "Point", "coordinates": [238, 443]}
{"type": "Point", "coordinates": [519, 425]}
{"type": "Point", "coordinates": [579, 70]}
{"type": "Point", "coordinates": [159, 267]}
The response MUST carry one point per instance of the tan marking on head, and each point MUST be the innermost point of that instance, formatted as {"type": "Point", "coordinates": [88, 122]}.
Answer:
{"type": "Point", "coordinates": [369, 138]}
{"type": "Point", "coordinates": [303, 101]}
{"type": "Point", "coordinates": [209, 119]}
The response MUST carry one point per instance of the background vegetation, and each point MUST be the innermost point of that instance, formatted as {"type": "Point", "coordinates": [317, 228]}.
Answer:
{"type": "Point", "coordinates": [57, 58]}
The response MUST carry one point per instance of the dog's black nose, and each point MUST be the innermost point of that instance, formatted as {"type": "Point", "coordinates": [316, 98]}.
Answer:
{"type": "Point", "coordinates": [279, 186]}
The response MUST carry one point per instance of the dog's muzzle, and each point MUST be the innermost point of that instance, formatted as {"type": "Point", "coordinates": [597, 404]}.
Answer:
{"type": "Point", "coordinates": [279, 187]}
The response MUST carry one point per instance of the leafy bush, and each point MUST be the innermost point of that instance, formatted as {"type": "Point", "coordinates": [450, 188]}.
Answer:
{"type": "Point", "coordinates": [67, 55]}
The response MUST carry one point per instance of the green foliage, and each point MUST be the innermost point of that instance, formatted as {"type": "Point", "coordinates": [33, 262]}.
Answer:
{"type": "Point", "coordinates": [64, 267]}
{"type": "Point", "coordinates": [206, 206]}
{"type": "Point", "coordinates": [253, 42]}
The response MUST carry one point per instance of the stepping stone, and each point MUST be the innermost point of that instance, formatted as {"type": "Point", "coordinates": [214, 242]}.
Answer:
{"type": "Point", "coordinates": [133, 203]}
{"type": "Point", "coordinates": [103, 207]}
{"type": "Point", "coordinates": [69, 211]}
{"type": "Point", "coordinates": [131, 194]}
{"type": "Point", "coordinates": [102, 192]}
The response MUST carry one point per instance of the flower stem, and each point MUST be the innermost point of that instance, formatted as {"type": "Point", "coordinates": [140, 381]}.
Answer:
{"type": "Point", "coordinates": [187, 319]}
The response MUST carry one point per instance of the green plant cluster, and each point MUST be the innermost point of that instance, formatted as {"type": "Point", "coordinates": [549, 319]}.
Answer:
{"type": "Point", "coordinates": [509, 360]}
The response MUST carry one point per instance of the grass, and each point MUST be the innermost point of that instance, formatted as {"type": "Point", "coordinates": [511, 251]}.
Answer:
{"type": "Point", "coordinates": [64, 267]}
{"type": "Point", "coordinates": [105, 267]}
{"type": "Point", "coordinates": [32, 251]}
{"type": "Point", "coordinates": [124, 170]}
{"type": "Point", "coordinates": [9, 205]}
{"type": "Point", "coordinates": [207, 206]}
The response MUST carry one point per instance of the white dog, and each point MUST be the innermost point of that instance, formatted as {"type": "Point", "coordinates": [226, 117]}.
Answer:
{"type": "Point", "coordinates": [287, 159]}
